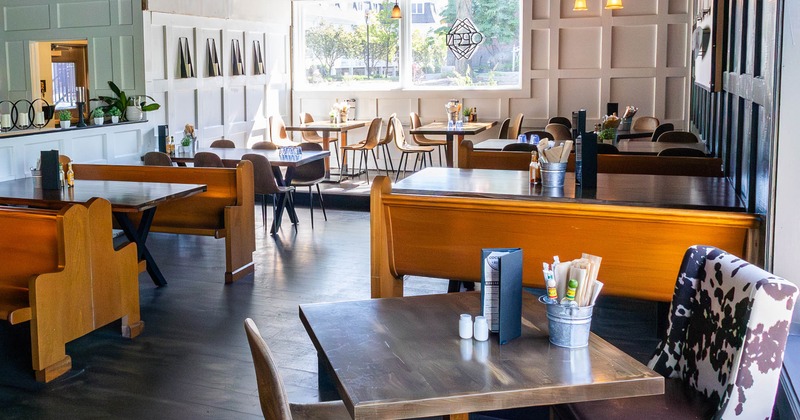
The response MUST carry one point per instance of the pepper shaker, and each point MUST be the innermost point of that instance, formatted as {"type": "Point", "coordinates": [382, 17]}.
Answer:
{"type": "Point", "coordinates": [481, 328]}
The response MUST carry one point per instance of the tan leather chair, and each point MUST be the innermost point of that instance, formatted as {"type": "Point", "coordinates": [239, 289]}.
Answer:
{"type": "Point", "coordinates": [645, 123]}
{"type": "Point", "coordinates": [207, 160]}
{"type": "Point", "coordinates": [367, 145]}
{"type": "Point", "coordinates": [264, 145]}
{"type": "Point", "coordinates": [559, 131]}
{"type": "Point", "coordinates": [65, 160]}
{"type": "Point", "coordinates": [678, 137]}
{"type": "Point", "coordinates": [223, 144]}
{"type": "Point", "coordinates": [383, 144]}
{"type": "Point", "coordinates": [515, 127]}
{"type": "Point", "coordinates": [407, 149]}
{"type": "Point", "coordinates": [265, 183]}
{"type": "Point", "coordinates": [157, 159]}
{"type": "Point", "coordinates": [275, 404]}
{"type": "Point", "coordinates": [313, 137]}
{"type": "Point", "coordinates": [277, 132]}
{"type": "Point", "coordinates": [424, 141]}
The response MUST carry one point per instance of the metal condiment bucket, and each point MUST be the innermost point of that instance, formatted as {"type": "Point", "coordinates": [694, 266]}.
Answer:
{"type": "Point", "coordinates": [553, 174]}
{"type": "Point", "coordinates": [569, 325]}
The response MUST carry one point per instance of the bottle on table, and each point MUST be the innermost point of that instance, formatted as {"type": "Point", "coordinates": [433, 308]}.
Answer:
{"type": "Point", "coordinates": [171, 146]}
{"type": "Point", "coordinates": [70, 176]}
{"type": "Point", "coordinates": [533, 170]}
{"type": "Point", "coordinates": [474, 115]}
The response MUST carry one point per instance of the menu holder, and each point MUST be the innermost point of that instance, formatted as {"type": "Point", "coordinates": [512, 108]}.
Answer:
{"type": "Point", "coordinates": [49, 167]}
{"type": "Point", "coordinates": [501, 291]}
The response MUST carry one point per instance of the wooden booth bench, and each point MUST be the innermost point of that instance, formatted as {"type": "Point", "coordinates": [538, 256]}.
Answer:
{"type": "Point", "coordinates": [62, 273]}
{"type": "Point", "coordinates": [442, 236]}
{"type": "Point", "coordinates": [225, 210]}
{"type": "Point", "coordinates": [469, 158]}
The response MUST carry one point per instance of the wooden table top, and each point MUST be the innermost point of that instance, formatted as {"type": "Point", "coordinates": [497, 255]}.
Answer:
{"type": "Point", "coordinates": [402, 357]}
{"type": "Point", "coordinates": [441, 128]}
{"type": "Point", "coordinates": [124, 196]}
{"type": "Point", "coordinates": [275, 159]}
{"type": "Point", "coordinates": [625, 147]}
{"type": "Point", "coordinates": [660, 191]}
{"type": "Point", "coordinates": [327, 126]}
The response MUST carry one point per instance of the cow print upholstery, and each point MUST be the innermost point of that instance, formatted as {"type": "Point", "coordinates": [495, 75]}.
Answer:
{"type": "Point", "coordinates": [728, 325]}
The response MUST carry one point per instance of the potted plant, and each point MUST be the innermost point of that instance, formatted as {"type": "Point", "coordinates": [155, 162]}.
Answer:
{"type": "Point", "coordinates": [467, 114]}
{"type": "Point", "coordinates": [64, 117]}
{"type": "Point", "coordinates": [133, 106]}
{"type": "Point", "coordinates": [98, 115]}
{"type": "Point", "coordinates": [114, 113]}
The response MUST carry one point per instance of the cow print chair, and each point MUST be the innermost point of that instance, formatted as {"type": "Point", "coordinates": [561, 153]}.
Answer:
{"type": "Point", "coordinates": [723, 351]}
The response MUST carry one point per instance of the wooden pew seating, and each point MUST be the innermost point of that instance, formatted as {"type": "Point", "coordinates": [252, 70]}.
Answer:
{"type": "Point", "coordinates": [442, 237]}
{"type": "Point", "coordinates": [62, 273]}
{"type": "Point", "coordinates": [470, 158]}
{"type": "Point", "coordinates": [225, 210]}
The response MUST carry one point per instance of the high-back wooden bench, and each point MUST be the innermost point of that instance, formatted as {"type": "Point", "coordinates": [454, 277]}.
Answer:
{"type": "Point", "coordinates": [62, 273]}
{"type": "Point", "coordinates": [442, 237]}
{"type": "Point", "coordinates": [225, 210]}
{"type": "Point", "coordinates": [469, 158]}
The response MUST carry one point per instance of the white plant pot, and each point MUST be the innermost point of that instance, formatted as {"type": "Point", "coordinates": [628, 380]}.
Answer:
{"type": "Point", "coordinates": [114, 119]}
{"type": "Point", "coordinates": [65, 123]}
{"type": "Point", "coordinates": [98, 121]}
{"type": "Point", "coordinates": [133, 113]}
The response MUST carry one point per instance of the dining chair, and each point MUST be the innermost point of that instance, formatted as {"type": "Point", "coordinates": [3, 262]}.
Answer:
{"type": "Point", "coordinates": [275, 403]}
{"type": "Point", "coordinates": [207, 160]}
{"type": "Point", "coordinates": [682, 151]}
{"type": "Point", "coordinates": [223, 144]}
{"type": "Point", "coordinates": [421, 140]}
{"type": "Point", "coordinates": [607, 149]}
{"type": "Point", "coordinates": [645, 123]}
{"type": "Point", "coordinates": [310, 175]}
{"type": "Point", "coordinates": [504, 129]}
{"type": "Point", "coordinates": [277, 131]}
{"type": "Point", "coordinates": [65, 160]}
{"type": "Point", "coordinates": [519, 147]}
{"type": "Point", "coordinates": [383, 144]}
{"type": "Point", "coordinates": [723, 350]}
{"type": "Point", "coordinates": [515, 127]}
{"type": "Point", "coordinates": [407, 149]}
{"type": "Point", "coordinates": [156, 159]}
{"type": "Point", "coordinates": [541, 133]}
{"type": "Point", "coordinates": [661, 129]}
{"type": "Point", "coordinates": [678, 137]}
{"type": "Point", "coordinates": [264, 145]}
{"type": "Point", "coordinates": [265, 183]}
{"type": "Point", "coordinates": [313, 137]}
{"type": "Point", "coordinates": [559, 131]}
{"type": "Point", "coordinates": [561, 120]}
{"type": "Point", "coordinates": [364, 146]}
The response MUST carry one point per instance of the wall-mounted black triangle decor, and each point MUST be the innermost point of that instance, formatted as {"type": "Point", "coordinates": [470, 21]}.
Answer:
{"type": "Point", "coordinates": [236, 58]}
{"type": "Point", "coordinates": [186, 66]}
{"type": "Point", "coordinates": [258, 58]}
{"type": "Point", "coordinates": [212, 58]}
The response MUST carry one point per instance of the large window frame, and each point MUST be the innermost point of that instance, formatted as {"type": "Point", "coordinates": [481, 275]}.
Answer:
{"type": "Point", "coordinates": [405, 83]}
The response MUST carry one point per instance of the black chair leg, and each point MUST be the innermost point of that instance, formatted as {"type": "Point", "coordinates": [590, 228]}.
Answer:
{"type": "Point", "coordinates": [311, 205]}
{"type": "Point", "coordinates": [263, 210]}
{"type": "Point", "coordinates": [399, 165]}
{"type": "Point", "coordinates": [440, 156]}
{"type": "Point", "coordinates": [322, 203]}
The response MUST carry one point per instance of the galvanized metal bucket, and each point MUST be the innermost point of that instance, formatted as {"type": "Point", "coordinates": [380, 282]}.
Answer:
{"type": "Point", "coordinates": [569, 325]}
{"type": "Point", "coordinates": [553, 174]}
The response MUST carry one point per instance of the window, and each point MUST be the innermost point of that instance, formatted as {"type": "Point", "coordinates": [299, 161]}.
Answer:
{"type": "Point", "coordinates": [356, 45]}
{"type": "Point", "coordinates": [64, 85]}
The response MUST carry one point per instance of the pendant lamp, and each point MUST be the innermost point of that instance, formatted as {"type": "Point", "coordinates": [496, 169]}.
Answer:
{"type": "Point", "coordinates": [580, 5]}
{"type": "Point", "coordinates": [614, 4]}
{"type": "Point", "coordinates": [396, 14]}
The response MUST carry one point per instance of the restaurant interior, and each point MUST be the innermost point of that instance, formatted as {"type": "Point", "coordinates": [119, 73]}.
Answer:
{"type": "Point", "coordinates": [278, 209]}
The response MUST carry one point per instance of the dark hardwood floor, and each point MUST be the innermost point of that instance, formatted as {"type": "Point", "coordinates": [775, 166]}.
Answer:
{"type": "Point", "coordinates": [192, 360]}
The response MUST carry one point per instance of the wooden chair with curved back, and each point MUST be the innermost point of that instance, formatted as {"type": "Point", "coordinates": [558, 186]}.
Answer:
{"type": "Point", "coordinates": [223, 144]}
{"type": "Point", "coordinates": [207, 160]}
{"type": "Point", "coordinates": [383, 144]}
{"type": "Point", "coordinates": [561, 120]}
{"type": "Point", "coordinates": [367, 145]}
{"type": "Point", "coordinates": [682, 151]}
{"type": "Point", "coordinates": [661, 129]}
{"type": "Point", "coordinates": [645, 123]}
{"type": "Point", "coordinates": [678, 137]}
{"type": "Point", "coordinates": [407, 149]}
{"type": "Point", "coordinates": [503, 134]}
{"type": "Point", "coordinates": [275, 404]}
{"type": "Point", "coordinates": [157, 159]}
{"type": "Point", "coordinates": [264, 145]}
{"type": "Point", "coordinates": [277, 131]}
{"type": "Point", "coordinates": [515, 127]}
{"type": "Point", "coordinates": [310, 175]}
{"type": "Point", "coordinates": [424, 141]}
{"type": "Point", "coordinates": [314, 137]}
{"type": "Point", "coordinates": [65, 160]}
{"type": "Point", "coordinates": [265, 183]}
{"type": "Point", "coordinates": [559, 131]}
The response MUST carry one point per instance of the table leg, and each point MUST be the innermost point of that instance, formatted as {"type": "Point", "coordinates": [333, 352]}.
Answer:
{"type": "Point", "coordinates": [325, 384]}
{"type": "Point", "coordinates": [326, 145]}
{"type": "Point", "coordinates": [448, 150]}
{"type": "Point", "coordinates": [280, 199]}
{"type": "Point", "coordinates": [138, 235]}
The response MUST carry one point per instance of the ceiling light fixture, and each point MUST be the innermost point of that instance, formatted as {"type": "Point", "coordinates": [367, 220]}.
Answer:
{"type": "Point", "coordinates": [614, 4]}
{"type": "Point", "coordinates": [580, 6]}
{"type": "Point", "coordinates": [396, 14]}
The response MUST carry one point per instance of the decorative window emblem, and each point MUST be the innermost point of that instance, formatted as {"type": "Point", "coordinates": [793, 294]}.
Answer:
{"type": "Point", "coordinates": [463, 38]}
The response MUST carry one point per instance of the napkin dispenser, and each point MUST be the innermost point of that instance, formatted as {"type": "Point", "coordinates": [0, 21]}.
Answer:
{"type": "Point", "coordinates": [501, 291]}
{"type": "Point", "coordinates": [49, 167]}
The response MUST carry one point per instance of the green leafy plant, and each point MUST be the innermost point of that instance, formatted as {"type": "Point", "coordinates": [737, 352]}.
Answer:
{"type": "Point", "coordinates": [467, 112]}
{"type": "Point", "coordinates": [186, 140]}
{"type": "Point", "coordinates": [121, 101]}
{"type": "Point", "coordinates": [114, 112]}
{"type": "Point", "coordinates": [606, 134]}
{"type": "Point", "coordinates": [98, 113]}
{"type": "Point", "coordinates": [64, 115]}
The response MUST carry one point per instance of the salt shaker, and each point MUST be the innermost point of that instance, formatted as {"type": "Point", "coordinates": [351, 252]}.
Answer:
{"type": "Point", "coordinates": [481, 328]}
{"type": "Point", "coordinates": [465, 326]}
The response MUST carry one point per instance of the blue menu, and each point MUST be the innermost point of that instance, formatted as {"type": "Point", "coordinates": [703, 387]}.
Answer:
{"type": "Point", "coordinates": [501, 291]}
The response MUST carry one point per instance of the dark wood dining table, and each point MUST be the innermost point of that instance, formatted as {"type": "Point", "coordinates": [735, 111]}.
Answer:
{"type": "Point", "coordinates": [403, 358]}
{"type": "Point", "coordinates": [234, 155]}
{"type": "Point", "coordinates": [125, 197]}
{"type": "Point", "coordinates": [451, 134]}
{"type": "Point", "coordinates": [326, 128]}
{"type": "Point", "coordinates": [625, 147]}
